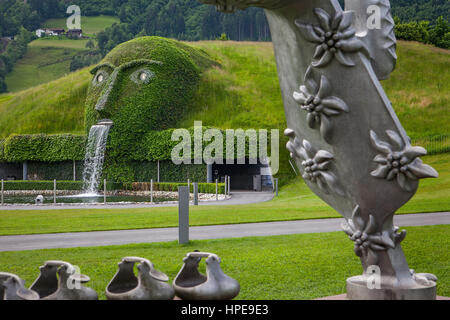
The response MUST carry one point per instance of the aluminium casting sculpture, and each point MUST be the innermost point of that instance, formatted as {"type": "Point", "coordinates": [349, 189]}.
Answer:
{"type": "Point", "coordinates": [150, 284]}
{"type": "Point", "coordinates": [12, 287]}
{"type": "Point", "coordinates": [344, 135]}
{"type": "Point", "coordinates": [59, 280]}
{"type": "Point", "coordinates": [190, 284]}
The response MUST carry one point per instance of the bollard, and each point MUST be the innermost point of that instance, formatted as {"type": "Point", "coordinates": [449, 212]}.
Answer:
{"type": "Point", "coordinates": [195, 185]}
{"type": "Point", "coordinates": [151, 191]}
{"type": "Point", "coordinates": [276, 187]}
{"type": "Point", "coordinates": [104, 191]}
{"type": "Point", "coordinates": [217, 190]}
{"type": "Point", "coordinates": [3, 189]}
{"type": "Point", "coordinates": [54, 191]}
{"type": "Point", "coordinates": [158, 173]}
{"type": "Point", "coordinates": [226, 185]}
{"type": "Point", "coordinates": [183, 215]}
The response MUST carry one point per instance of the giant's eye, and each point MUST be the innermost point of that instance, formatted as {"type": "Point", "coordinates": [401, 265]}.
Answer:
{"type": "Point", "coordinates": [100, 77]}
{"type": "Point", "coordinates": [142, 76]}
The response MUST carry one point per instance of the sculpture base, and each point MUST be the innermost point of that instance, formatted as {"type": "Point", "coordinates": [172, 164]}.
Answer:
{"type": "Point", "coordinates": [358, 290]}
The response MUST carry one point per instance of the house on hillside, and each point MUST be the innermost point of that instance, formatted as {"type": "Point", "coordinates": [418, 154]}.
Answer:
{"type": "Point", "coordinates": [74, 33]}
{"type": "Point", "coordinates": [52, 32]}
{"type": "Point", "coordinates": [40, 33]}
{"type": "Point", "coordinates": [55, 32]}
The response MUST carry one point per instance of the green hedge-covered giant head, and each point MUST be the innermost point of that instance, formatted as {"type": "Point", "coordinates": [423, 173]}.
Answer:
{"type": "Point", "coordinates": [145, 83]}
{"type": "Point", "coordinates": [142, 85]}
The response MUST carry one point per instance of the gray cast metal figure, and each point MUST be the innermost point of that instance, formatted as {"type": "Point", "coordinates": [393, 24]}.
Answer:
{"type": "Point", "coordinates": [59, 281]}
{"type": "Point", "coordinates": [190, 284]}
{"type": "Point", "coordinates": [13, 288]}
{"type": "Point", "coordinates": [345, 137]}
{"type": "Point", "coordinates": [150, 284]}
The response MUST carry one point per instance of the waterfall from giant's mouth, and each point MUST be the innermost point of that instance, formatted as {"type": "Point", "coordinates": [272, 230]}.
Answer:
{"type": "Point", "coordinates": [95, 156]}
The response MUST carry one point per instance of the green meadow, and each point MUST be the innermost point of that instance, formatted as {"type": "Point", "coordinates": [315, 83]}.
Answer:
{"type": "Point", "coordinates": [49, 58]}
{"type": "Point", "coordinates": [41, 64]}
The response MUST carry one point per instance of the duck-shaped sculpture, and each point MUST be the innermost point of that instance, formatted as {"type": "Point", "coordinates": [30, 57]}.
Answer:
{"type": "Point", "coordinates": [13, 288]}
{"type": "Point", "coordinates": [59, 280]}
{"type": "Point", "coordinates": [190, 284]}
{"type": "Point", "coordinates": [150, 284]}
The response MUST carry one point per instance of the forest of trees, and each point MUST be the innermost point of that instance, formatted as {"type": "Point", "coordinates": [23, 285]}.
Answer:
{"type": "Point", "coordinates": [190, 20]}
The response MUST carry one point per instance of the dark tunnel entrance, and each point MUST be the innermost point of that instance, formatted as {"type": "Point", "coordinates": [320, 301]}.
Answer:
{"type": "Point", "coordinates": [245, 177]}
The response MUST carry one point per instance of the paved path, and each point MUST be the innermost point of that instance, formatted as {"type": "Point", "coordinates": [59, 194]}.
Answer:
{"type": "Point", "coordinates": [237, 198]}
{"type": "Point", "coordinates": [106, 238]}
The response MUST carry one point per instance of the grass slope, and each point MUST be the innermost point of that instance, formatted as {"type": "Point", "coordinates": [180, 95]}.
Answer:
{"type": "Point", "coordinates": [296, 202]}
{"type": "Point", "coordinates": [41, 64]}
{"type": "Point", "coordinates": [48, 59]}
{"type": "Point", "coordinates": [55, 107]}
{"type": "Point", "coordinates": [244, 91]}
{"type": "Point", "coordinates": [292, 267]}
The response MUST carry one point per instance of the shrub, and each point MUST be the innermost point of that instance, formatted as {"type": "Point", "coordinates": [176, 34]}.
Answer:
{"type": "Point", "coordinates": [41, 147]}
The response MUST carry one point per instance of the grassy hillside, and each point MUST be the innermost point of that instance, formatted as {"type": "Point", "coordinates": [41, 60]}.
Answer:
{"type": "Point", "coordinates": [420, 89]}
{"type": "Point", "coordinates": [55, 107]}
{"type": "Point", "coordinates": [48, 59]}
{"type": "Point", "coordinates": [244, 93]}
{"type": "Point", "coordinates": [41, 64]}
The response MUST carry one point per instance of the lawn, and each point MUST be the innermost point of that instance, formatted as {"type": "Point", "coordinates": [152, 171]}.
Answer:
{"type": "Point", "coordinates": [292, 267]}
{"type": "Point", "coordinates": [295, 202]}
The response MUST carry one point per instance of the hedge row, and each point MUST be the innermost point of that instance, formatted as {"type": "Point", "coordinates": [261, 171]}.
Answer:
{"type": "Point", "coordinates": [156, 145]}
{"type": "Point", "coordinates": [41, 147]}
{"type": "Point", "coordinates": [137, 186]}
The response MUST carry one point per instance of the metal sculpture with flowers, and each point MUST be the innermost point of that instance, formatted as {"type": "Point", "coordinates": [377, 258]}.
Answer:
{"type": "Point", "coordinates": [344, 135]}
{"type": "Point", "coordinates": [317, 102]}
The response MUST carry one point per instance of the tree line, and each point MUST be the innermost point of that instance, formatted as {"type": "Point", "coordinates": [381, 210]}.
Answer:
{"type": "Point", "coordinates": [187, 20]}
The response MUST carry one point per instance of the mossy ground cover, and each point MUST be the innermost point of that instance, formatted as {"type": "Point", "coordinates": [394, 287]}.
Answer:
{"type": "Point", "coordinates": [295, 202]}
{"type": "Point", "coordinates": [292, 267]}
